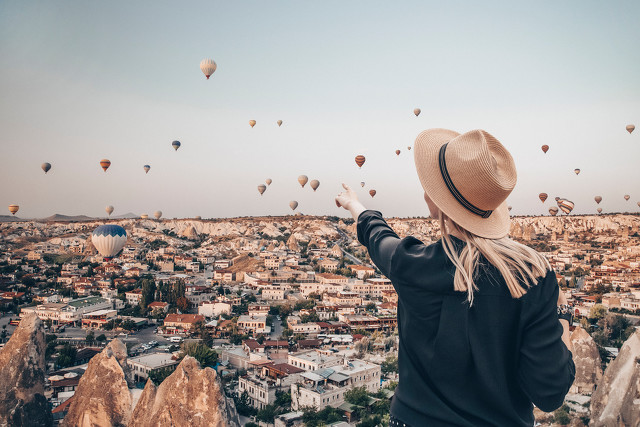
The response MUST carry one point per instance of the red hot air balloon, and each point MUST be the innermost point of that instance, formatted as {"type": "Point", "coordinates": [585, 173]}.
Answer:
{"type": "Point", "coordinates": [360, 159]}
{"type": "Point", "coordinates": [397, 152]}
{"type": "Point", "coordinates": [104, 163]}
{"type": "Point", "coordinates": [545, 148]}
{"type": "Point", "coordinates": [372, 192]}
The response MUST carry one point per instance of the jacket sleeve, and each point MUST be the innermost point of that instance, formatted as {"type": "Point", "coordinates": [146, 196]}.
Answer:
{"type": "Point", "coordinates": [379, 239]}
{"type": "Point", "coordinates": [546, 369]}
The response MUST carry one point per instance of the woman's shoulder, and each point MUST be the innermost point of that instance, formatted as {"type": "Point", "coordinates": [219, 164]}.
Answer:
{"type": "Point", "coordinates": [414, 260]}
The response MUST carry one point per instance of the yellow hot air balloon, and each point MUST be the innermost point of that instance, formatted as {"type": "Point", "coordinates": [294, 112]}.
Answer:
{"type": "Point", "coordinates": [262, 188]}
{"type": "Point", "coordinates": [598, 199]}
{"type": "Point", "coordinates": [543, 196]}
{"type": "Point", "coordinates": [630, 128]}
{"type": "Point", "coordinates": [416, 111]}
{"type": "Point", "coordinates": [252, 123]}
{"type": "Point", "coordinates": [293, 205]}
{"type": "Point", "coordinates": [268, 181]}
{"type": "Point", "coordinates": [279, 123]}
{"type": "Point", "coordinates": [13, 209]}
{"type": "Point", "coordinates": [208, 67]}
{"type": "Point", "coordinates": [302, 179]}
{"type": "Point", "coordinates": [314, 184]}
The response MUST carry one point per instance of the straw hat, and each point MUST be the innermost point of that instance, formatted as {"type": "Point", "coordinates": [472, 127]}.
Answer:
{"type": "Point", "coordinates": [468, 177]}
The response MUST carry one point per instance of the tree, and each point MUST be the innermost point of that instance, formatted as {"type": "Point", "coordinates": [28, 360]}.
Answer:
{"type": "Point", "coordinates": [148, 292]}
{"type": "Point", "coordinates": [371, 307]}
{"type": "Point", "coordinates": [90, 337]}
{"type": "Point", "coordinates": [389, 365]}
{"type": "Point", "coordinates": [183, 304]}
{"type": "Point", "coordinates": [267, 414]}
{"type": "Point", "coordinates": [203, 354]}
{"type": "Point", "coordinates": [357, 396]}
{"type": "Point", "coordinates": [128, 325]}
{"type": "Point", "coordinates": [101, 338]}
{"type": "Point", "coordinates": [66, 356]}
{"type": "Point", "coordinates": [597, 312]}
{"type": "Point", "coordinates": [561, 415]}
{"type": "Point", "coordinates": [160, 375]}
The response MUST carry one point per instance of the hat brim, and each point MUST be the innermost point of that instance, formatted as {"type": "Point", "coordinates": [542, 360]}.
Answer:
{"type": "Point", "coordinates": [425, 154]}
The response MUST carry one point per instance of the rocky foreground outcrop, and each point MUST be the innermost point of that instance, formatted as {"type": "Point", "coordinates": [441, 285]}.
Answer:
{"type": "Point", "coordinates": [103, 397]}
{"type": "Point", "coordinates": [22, 369]}
{"type": "Point", "coordinates": [191, 396]}
{"type": "Point", "coordinates": [587, 360]}
{"type": "Point", "coordinates": [616, 401]}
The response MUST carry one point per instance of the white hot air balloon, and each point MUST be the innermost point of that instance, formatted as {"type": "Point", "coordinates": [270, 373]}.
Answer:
{"type": "Point", "coordinates": [109, 239]}
{"type": "Point", "coordinates": [157, 214]}
{"type": "Point", "coordinates": [208, 67]}
{"type": "Point", "coordinates": [293, 205]}
{"type": "Point", "coordinates": [109, 210]}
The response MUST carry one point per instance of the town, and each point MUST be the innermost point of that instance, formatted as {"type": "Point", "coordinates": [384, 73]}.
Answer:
{"type": "Point", "coordinates": [290, 311]}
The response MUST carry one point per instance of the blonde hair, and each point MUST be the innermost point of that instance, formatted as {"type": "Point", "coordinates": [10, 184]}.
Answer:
{"type": "Point", "coordinates": [519, 265]}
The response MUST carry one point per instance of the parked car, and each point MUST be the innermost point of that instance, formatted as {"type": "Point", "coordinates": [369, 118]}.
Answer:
{"type": "Point", "coordinates": [175, 339]}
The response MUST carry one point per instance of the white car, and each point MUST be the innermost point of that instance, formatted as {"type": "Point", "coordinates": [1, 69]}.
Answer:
{"type": "Point", "coordinates": [175, 339]}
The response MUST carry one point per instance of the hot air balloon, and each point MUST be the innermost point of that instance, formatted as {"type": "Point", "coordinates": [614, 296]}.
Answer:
{"type": "Point", "coordinates": [397, 152]}
{"type": "Point", "coordinates": [314, 184]}
{"type": "Point", "coordinates": [262, 188]}
{"type": "Point", "coordinates": [144, 216]}
{"type": "Point", "coordinates": [372, 192]}
{"type": "Point", "coordinates": [208, 67]}
{"type": "Point", "coordinates": [46, 167]}
{"type": "Point", "coordinates": [146, 168]}
{"type": "Point", "coordinates": [252, 123]}
{"type": "Point", "coordinates": [598, 199]}
{"type": "Point", "coordinates": [302, 179]}
{"type": "Point", "coordinates": [176, 145]}
{"type": "Point", "coordinates": [13, 209]}
{"type": "Point", "coordinates": [279, 123]}
{"type": "Point", "coordinates": [360, 160]}
{"type": "Point", "coordinates": [268, 181]}
{"type": "Point", "coordinates": [293, 205]}
{"type": "Point", "coordinates": [198, 217]}
{"type": "Point", "coordinates": [109, 210]}
{"type": "Point", "coordinates": [577, 171]}
{"type": "Point", "coordinates": [627, 197]}
{"type": "Point", "coordinates": [630, 128]}
{"type": "Point", "coordinates": [545, 148]}
{"type": "Point", "coordinates": [157, 214]}
{"type": "Point", "coordinates": [565, 206]}
{"type": "Point", "coordinates": [543, 196]}
{"type": "Point", "coordinates": [553, 210]}
{"type": "Point", "coordinates": [599, 210]}
{"type": "Point", "coordinates": [409, 148]}
{"type": "Point", "coordinates": [416, 111]}
{"type": "Point", "coordinates": [557, 198]}
{"type": "Point", "coordinates": [361, 183]}
{"type": "Point", "coordinates": [104, 163]}
{"type": "Point", "coordinates": [639, 204]}
{"type": "Point", "coordinates": [109, 239]}
{"type": "Point", "coordinates": [509, 207]}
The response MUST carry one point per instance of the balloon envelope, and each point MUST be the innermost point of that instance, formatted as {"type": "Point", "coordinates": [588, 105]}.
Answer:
{"type": "Point", "coordinates": [543, 196]}
{"type": "Point", "coordinates": [105, 163]}
{"type": "Point", "coordinates": [109, 210]}
{"type": "Point", "coordinates": [372, 192]}
{"type": "Point", "coordinates": [361, 183]}
{"type": "Point", "coordinates": [279, 123]}
{"type": "Point", "coordinates": [397, 152]}
{"type": "Point", "coordinates": [553, 211]}
{"type": "Point", "coordinates": [577, 171]}
{"type": "Point", "coordinates": [598, 199]}
{"type": "Point", "coordinates": [109, 239]}
{"type": "Point", "coordinates": [146, 168]}
{"type": "Point", "coordinates": [627, 197]}
{"type": "Point", "coordinates": [509, 207]}
{"type": "Point", "coordinates": [630, 128]}
{"type": "Point", "coordinates": [565, 206]}
{"type": "Point", "coordinates": [314, 184]}
{"type": "Point", "coordinates": [208, 67]}
{"type": "Point", "coordinates": [157, 214]}
{"type": "Point", "coordinates": [599, 210]}
{"type": "Point", "coordinates": [268, 181]}
{"type": "Point", "coordinates": [13, 209]}
{"type": "Point", "coordinates": [144, 216]}
{"type": "Point", "coordinates": [293, 205]}
{"type": "Point", "coordinates": [262, 188]}
{"type": "Point", "coordinates": [302, 179]}
{"type": "Point", "coordinates": [176, 145]}
{"type": "Point", "coordinates": [360, 159]}
{"type": "Point", "coordinates": [409, 148]}
{"type": "Point", "coordinates": [545, 148]}
{"type": "Point", "coordinates": [46, 167]}
{"type": "Point", "coordinates": [252, 123]}
{"type": "Point", "coordinates": [416, 111]}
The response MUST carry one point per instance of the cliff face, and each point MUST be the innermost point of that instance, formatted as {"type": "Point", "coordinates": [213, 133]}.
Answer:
{"type": "Point", "coordinates": [103, 397]}
{"type": "Point", "coordinates": [22, 368]}
{"type": "Point", "coordinates": [616, 401]}
{"type": "Point", "coordinates": [190, 396]}
{"type": "Point", "coordinates": [587, 360]}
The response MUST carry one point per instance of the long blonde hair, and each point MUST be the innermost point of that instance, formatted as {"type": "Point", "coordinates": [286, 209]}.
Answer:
{"type": "Point", "coordinates": [519, 265]}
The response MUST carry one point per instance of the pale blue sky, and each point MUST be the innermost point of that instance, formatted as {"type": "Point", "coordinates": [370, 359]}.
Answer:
{"type": "Point", "coordinates": [81, 81]}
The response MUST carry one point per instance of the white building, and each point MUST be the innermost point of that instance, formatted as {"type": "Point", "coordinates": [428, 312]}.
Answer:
{"type": "Point", "coordinates": [141, 366]}
{"type": "Point", "coordinates": [213, 309]}
{"type": "Point", "coordinates": [312, 360]}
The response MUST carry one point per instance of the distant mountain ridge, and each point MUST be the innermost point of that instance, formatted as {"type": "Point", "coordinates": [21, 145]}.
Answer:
{"type": "Point", "coordinates": [60, 217]}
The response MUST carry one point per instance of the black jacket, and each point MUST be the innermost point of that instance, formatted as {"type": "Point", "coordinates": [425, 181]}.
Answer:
{"type": "Point", "coordinates": [482, 365]}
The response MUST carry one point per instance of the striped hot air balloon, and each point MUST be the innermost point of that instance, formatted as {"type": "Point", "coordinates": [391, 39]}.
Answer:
{"type": "Point", "coordinates": [208, 67]}
{"type": "Point", "coordinates": [565, 206]}
{"type": "Point", "coordinates": [543, 197]}
{"type": "Point", "coordinates": [105, 163]}
{"type": "Point", "coordinates": [252, 123]}
{"type": "Point", "coordinates": [553, 210]}
{"type": "Point", "coordinates": [109, 239]}
{"type": "Point", "coordinates": [176, 145]}
{"type": "Point", "coordinates": [13, 209]}
{"type": "Point", "coordinates": [360, 159]}
{"type": "Point", "coordinates": [545, 148]}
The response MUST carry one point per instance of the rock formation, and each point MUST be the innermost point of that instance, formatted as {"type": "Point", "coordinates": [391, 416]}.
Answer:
{"type": "Point", "coordinates": [22, 368]}
{"type": "Point", "coordinates": [103, 397]}
{"type": "Point", "coordinates": [191, 396]}
{"type": "Point", "coordinates": [616, 401]}
{"type": "Point", "coordinates": [587, 360]}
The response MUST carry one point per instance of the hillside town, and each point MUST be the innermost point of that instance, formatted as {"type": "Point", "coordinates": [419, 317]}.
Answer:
{"type": "Point", "coordinates": [291, 313]}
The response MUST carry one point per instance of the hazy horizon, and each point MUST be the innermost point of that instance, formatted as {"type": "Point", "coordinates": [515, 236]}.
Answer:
{"type": "Point", "coordinates": [85, 81]}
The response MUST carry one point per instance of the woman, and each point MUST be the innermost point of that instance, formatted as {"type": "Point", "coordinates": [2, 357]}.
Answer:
{"type": "Point", "coordinates": [484, 330]}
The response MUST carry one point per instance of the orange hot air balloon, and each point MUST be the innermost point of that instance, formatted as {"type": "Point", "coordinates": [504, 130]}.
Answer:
{"type": "Point", "coordinates": [545, 148]}
{"type": "Point", "coordinates": [13, 209]}
{"type": "Point", "coordinates": [104, 163]}
{"type": "Point", "coordinates": [252, 123]}
{"type": "Point", "coordinates": [543, 196]}
{"type": "Point", "coordinates": [360, 160]}
{"type": "Point", "coordinates": [598, 199]}
{"type": "Point", "coordinates": [372, 192]}
{"type": "Point", "coordinates": [397, 152]}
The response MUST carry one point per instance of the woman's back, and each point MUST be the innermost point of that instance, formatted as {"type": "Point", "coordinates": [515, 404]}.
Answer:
{"type": "Point", "coordinates": [468, 365]}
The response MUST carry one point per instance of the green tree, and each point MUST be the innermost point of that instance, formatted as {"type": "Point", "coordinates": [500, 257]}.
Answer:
{"type": "Point", "coordinates": [390, 364]}
{"type": "Point", "coordinates": [90, 337]}
{"type": "Point", "coordinates": [597, 312]}
{"type": "Point", "coordinates": [148, 287]}
{"type": "Point", "coordinates": [128, 325]}
{"type": "Point", "coordinates": [561, 415]}
{"type": "Point", "coordinates": [357, 396]}
{"type": "Point", "coordinates": [101, 338]}
{"type": "Point", "coordinates": [160, 375]}
{"type": "Point", "coordinates": [267, 414]}
{"type": "Point", "coordinates": [66, 356]}
{"type": "Point", "coordinates": [203, 354]}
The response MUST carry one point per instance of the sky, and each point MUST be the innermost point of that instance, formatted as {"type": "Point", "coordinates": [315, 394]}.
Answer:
{"type": "Point", "coordinates": [82, 81]}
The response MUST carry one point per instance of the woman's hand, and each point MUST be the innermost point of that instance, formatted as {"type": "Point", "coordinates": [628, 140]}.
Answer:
{"type": "Point", "coordinates": [348, 199]}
